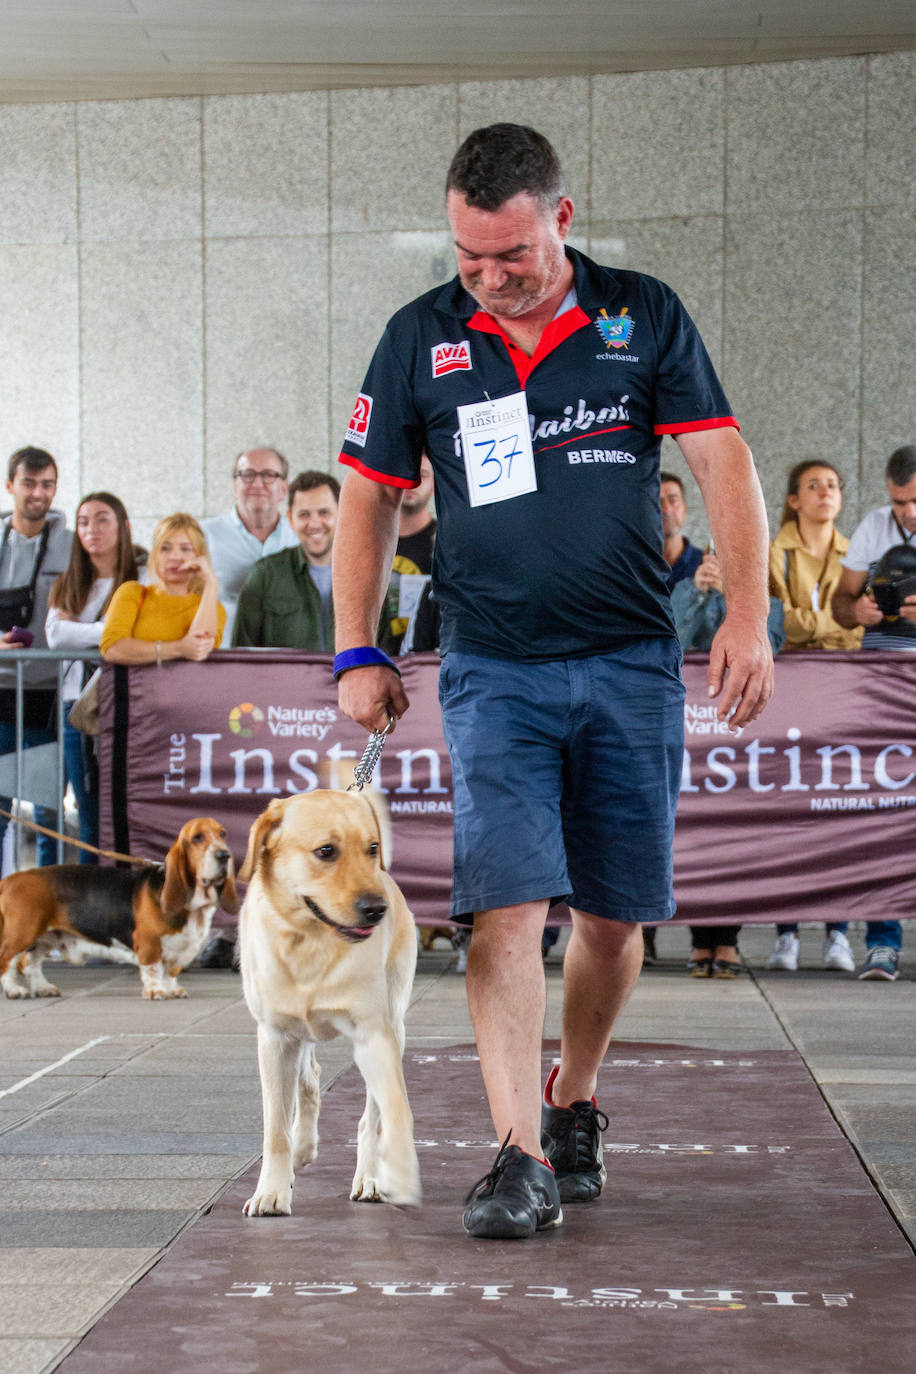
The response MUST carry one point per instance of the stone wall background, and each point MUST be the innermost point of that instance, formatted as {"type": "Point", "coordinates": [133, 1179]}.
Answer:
{"type": "Point", "coordinates": [184, 278]}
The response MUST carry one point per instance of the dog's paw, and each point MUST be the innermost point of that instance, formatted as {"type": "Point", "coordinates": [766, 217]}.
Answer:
{"type": "Point", "coordinates": [401, 1193]}
{"type": "Point", "coordinates": [176, 991]}
{"type": "Point", "coordinates": [153, 994]}
{"type": "Point", "coordinates": [15, 991]}
{"type": "Point", "coordinates": [400, 1185]}
{"type": "Point", "coordinates": [47, 990]}
{"type": "Point", "coordinates": [269, 1204]}
{"type": "Point", "coordinates": [365, 1189]}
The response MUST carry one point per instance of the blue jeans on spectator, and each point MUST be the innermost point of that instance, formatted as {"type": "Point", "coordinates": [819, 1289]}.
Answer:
{"type": "Point", "coordinates": [83, 776]}
{"type": "Point", "coordinates": [32, 735]}
{"type": "Point", "coordinates": [792, 928]}
{"type": "Point", "coordinates": [887, 933]}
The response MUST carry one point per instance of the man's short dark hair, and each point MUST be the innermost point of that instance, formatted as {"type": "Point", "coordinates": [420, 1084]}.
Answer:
{"type": "Point", "coordinates": [308, 481]}
{"type": "Point", "coordinates": [670, 477]}
{"type": "Point", "coordinates": [901, 466]}
{"type": "Point", "coordinates": [32, 459]}
{"type": "Point", "coordinates": [501, 161]}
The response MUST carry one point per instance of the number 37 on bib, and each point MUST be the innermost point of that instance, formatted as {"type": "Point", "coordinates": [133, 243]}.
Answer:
{"type": "Point", "coordinates": [496, 444]}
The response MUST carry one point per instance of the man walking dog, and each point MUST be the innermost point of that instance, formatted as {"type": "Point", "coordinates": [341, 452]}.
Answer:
{"type": "Point", "coordinates": [540, 385]}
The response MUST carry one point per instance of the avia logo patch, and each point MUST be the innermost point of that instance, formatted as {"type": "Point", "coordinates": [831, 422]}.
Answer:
{"type": "Point", "coordinates": [358, 427]}
{"type": "Point", "coordinates": [615, 330]}
{"type": "Point", "coordinates": [449, 357]}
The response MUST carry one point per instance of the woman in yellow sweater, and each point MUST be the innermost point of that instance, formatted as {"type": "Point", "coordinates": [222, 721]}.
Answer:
{"type": "Point", "coordinates": [805, 559]}
{"type": "Point", "coordinates": [178, 615]}
{"type": "Point", "coordinates": [804, 571]}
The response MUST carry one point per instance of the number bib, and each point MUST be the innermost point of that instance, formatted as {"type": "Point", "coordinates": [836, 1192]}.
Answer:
{"type": "Point", "coordinates": [496, 444]}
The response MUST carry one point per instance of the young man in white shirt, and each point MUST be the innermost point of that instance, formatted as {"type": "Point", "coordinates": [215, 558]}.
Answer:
{"type": "Point", "coordinates": [884, 528]}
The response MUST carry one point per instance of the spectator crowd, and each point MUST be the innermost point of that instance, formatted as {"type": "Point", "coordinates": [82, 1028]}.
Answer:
{"type": "Point", "coordinates": [259, 576]}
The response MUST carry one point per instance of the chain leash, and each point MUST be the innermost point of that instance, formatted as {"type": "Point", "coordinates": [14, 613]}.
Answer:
{"type": "Point", "coordinates": [362, 773]}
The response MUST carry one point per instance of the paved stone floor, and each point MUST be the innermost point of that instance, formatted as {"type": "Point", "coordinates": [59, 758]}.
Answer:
{"type": "Point", "coordinates": [124, 1123]}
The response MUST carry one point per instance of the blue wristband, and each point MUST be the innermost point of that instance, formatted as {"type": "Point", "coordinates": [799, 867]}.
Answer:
{"type": "Point", "coordinates": [361, 658]}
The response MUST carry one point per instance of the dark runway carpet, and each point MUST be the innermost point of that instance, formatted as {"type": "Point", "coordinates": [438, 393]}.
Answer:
{"type": "Point", "coordinates": [738, 1231]}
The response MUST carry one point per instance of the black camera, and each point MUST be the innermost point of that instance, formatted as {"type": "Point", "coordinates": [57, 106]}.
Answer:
{"type": "Point", "coordinates": [894, 579]}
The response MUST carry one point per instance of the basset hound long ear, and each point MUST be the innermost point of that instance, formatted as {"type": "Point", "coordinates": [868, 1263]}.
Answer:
{"type": "Point", "coordinates": [228, 897]}
{"type": "Point", "coordinates": [179, 880]}
{"type": "Point", "coordinates": [262, 836]}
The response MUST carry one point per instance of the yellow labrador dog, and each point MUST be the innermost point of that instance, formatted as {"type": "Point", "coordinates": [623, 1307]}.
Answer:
{"type": "Point", "coordinates": [328, 948]}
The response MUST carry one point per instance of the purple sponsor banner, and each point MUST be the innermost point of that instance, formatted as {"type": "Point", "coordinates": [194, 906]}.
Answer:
{"type": "Point", "coordinates": [808, 814]}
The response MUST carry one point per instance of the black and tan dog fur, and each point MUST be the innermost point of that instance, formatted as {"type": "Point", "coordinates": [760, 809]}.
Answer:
{"type": "Point", "coordinates": [158, 917]}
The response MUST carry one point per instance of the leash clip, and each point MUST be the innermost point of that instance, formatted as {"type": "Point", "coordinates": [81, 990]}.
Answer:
{"type": "Point", "coordinates": [362, 773]}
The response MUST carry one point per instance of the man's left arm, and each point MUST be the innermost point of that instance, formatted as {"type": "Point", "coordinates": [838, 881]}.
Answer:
{"type": "Point", "coordinates": [740, 660]}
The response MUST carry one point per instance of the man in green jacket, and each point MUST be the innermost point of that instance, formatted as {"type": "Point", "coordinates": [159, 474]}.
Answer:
{"type": "Point", "coordinates": [285, 602]}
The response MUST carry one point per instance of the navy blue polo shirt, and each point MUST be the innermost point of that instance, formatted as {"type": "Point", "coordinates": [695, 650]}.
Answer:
{"type": "Point", "coordinates": [575, 567]}
{"type": "Point", "coordinates": [685, 565]}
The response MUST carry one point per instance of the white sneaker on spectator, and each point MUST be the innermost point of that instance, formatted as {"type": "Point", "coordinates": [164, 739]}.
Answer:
{"type": "Point", "coordinates": [838, 952]}
{"type": "Point", "coordinates": [785, 954]}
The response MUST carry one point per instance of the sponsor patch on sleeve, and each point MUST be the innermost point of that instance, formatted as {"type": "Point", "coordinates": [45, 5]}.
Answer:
{"type": "Point", "coordinates": [451, 357]}
{"type": "Point", "coordinates": [358, 427]}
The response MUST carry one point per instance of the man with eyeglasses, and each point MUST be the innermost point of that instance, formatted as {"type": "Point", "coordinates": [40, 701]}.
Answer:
{"type": "Point", "coordinates": [253, 528]}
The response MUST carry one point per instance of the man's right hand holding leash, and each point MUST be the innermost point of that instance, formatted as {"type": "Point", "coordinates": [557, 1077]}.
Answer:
{"type": "Point", "coordinates": [371, 695]}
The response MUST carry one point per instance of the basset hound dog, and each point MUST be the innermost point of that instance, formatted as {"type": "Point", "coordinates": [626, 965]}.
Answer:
{"type": "Point", "coordinates": [158, 917]}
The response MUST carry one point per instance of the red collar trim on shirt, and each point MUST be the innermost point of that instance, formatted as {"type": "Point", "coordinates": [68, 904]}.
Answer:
{"type": "Point", "coordinates": [556, 333]}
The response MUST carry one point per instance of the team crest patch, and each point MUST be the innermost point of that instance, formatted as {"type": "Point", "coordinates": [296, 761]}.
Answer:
{"type": "Point", "coordinates": [358, 427]}
{"type": "Point", "coordinates": [450, 357]}
{"type": "Point", "coordinates": [615, 330]}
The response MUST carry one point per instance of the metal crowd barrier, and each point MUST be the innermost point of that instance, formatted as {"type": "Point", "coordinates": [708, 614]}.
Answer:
{"type": "Point", "coordinates": [36, 774]}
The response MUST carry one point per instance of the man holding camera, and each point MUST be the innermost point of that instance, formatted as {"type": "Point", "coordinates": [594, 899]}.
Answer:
{"type": "Point", "coordinates": [874, 591]}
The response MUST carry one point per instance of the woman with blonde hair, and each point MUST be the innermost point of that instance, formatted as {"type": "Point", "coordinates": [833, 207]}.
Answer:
{"type": "Point", "coordinates": [804, 571]}
{"type": "Point", "coordinates": [178, 615]}
{"type": "Point", "coordinates": [102, 557]}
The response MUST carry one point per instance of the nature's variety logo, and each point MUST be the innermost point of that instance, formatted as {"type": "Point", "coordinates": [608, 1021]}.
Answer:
{"type": "Point", "coordinates": [244, 719]}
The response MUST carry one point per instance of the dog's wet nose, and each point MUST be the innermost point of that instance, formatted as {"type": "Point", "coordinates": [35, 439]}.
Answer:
{"type": "Point", "coordinates": [221, 856]}
{"type": "Point", "coordinates": [371, 907]}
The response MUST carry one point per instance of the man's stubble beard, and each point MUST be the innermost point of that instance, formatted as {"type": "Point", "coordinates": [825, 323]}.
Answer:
{"type": "Point", "coordinates": [512, 306]}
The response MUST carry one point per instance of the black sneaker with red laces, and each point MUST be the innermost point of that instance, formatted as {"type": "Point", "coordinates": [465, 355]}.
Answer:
{"type": "Point", "coordinates": [516, 1198]}
{"type": "Point", "coordinates": [571, 1140]}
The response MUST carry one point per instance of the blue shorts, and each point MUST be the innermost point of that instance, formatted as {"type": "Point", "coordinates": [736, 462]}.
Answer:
{"type": "Point", "coordinates": [566, 777]}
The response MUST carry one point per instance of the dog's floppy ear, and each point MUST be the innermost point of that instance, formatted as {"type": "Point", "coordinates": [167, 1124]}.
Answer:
{"type": "Point", "coordinates": [179, 880]}
{"type": "Point", "coordinates": [228, 897]}
{"type": "Point", "coordinates": [382, 827]}
{"type": "Point", "coordinates": [262, 836]}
